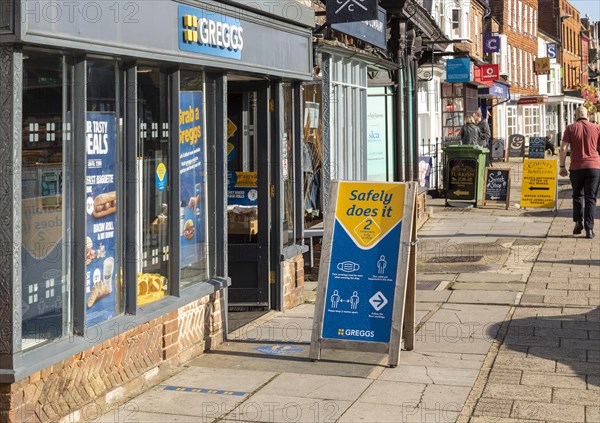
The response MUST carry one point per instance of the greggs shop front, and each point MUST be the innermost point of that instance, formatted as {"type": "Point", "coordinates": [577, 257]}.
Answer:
{"type": "Point", "coordinates": [147, 185]}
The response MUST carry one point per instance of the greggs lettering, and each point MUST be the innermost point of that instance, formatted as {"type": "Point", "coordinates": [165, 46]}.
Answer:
{"type": "Point", "coordinates": [220, 34]}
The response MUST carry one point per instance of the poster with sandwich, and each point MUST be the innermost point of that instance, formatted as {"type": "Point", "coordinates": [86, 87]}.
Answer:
{"type": "Point", "coordinates": [102, 281]}
{"type": "Point", "coordinates": [191, 169]}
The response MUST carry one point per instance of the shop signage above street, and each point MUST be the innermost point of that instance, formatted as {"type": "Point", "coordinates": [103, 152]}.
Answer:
{"type": "Point", "coordinates": [541, 66]}
{"type": "Point", "coordinates": [490, 72]}
{"type": "Point", "coordinates": [551, 50]}
{"type": "Point", "coordinates": [491, 44]}
{"type": "Point", "coordinates": [540, 99]}
{"type": "Point", "coordinates": [339, 11]}
{"type": "Point", "coordinates": [210, 33]}
{"type": "Point", "coordinates": [372, 32]}
{"type": "Point", "coordinates": [497, 89]}
{"type": "Point", "coordinates": [459, 70]}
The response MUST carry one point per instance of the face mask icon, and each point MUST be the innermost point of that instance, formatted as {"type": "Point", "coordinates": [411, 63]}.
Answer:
{"type": "Point", "coordinates": [348, 266]}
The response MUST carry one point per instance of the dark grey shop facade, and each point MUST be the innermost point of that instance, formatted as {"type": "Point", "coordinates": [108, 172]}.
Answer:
{"type": "Point", "coordinates": [148, 182]}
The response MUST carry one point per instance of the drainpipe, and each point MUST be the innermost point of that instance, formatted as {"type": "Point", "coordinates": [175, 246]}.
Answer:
{"type": "Point", "coordinates": [399, 30]}
{"type": "Point", "coordinates": [415, 119]}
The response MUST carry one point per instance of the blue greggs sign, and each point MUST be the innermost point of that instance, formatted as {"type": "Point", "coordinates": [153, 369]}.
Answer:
{"type": "Point", "coordinates": [210, 33]}
{"type": "Point", "coordinates": [458, 70]}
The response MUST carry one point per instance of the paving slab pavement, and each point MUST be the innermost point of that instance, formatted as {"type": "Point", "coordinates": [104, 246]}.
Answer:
{"type": "Point", "coordinates": [508, 329]}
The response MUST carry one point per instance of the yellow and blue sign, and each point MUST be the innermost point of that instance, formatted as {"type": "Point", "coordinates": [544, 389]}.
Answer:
{"type": "Point", "coordinates": [539, 184]}
{"type": "Point", "coordinates": [201, 31]}
{"type": "Point", "coordinates": [161, 177]}
{"type": "Point", "coordinates": [364, 261]}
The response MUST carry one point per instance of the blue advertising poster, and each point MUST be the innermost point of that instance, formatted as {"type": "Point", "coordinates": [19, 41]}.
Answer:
{"type": "Point", "coordinates": [241, 188]}
{"type": "Point", "coordinates": [102, 282]}
{"type": "Point", "coordinates": [191, 168]}
{"type": "Point", "coordinates": [491, 43]}
{"type": "Point", "coordinates": [364, 260]}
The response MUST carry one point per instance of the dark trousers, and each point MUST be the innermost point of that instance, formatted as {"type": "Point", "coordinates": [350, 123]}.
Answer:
{"type": "Point", "coordinates": [585, 187]}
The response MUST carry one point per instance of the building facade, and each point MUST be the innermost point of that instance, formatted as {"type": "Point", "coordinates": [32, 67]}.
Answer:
{"type": "Point", "coordinates": [152, 184]}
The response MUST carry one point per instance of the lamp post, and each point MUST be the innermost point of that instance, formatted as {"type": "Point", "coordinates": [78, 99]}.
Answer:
{"type": "Point", "coordinates": [562, 17]}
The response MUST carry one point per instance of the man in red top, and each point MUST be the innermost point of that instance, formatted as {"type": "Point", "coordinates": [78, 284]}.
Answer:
{"type": "Point", "coordinates": [584, 137]}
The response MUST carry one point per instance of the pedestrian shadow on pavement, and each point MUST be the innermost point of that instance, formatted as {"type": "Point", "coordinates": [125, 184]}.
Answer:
{"type": "Point", "coordinates": [570, 341]}
{"type": "Point", "coordinates": [574, 262]}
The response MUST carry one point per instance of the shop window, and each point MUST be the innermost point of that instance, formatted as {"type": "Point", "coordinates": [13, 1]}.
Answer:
{"type": "Point", "coordinates": [153, 187]}
{"type": "Point", "coordinates": [287, 165]}
{"type": "Point", "coordinates": [511, 120]}
{"type": "Point", "coordinates": [194, 245]}
{"type": "Point", "coordinates": [531, 121]}
{"type": "Point", "coordinates": [46, 201]}
{"type": "Point", "coordinates": [312, 150]}
{"type": "Point", "coordinates": [103, 283]}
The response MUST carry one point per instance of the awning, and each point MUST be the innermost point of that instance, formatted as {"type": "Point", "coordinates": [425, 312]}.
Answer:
{"type": "Point", "coordinates": [496, 90]}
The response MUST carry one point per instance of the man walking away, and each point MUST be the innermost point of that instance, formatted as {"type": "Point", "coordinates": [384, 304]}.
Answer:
{"type": "Point", "coordinates": [583, 137]}
{"type": "Point", "coordinates": [549, 144]}
{"type": "Point", "coordinates": [484, 128]}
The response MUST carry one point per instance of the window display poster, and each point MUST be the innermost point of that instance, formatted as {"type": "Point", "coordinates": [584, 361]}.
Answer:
{"type": "Point", "coordinates": [191, 168]}
{"type": "Point", "coordinates": [102, 281]}
{"type": "Point", "coordinates": [376, 139]}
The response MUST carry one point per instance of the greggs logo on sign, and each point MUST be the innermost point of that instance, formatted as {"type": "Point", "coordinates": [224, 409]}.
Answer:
{"type": "Point", "coordinates": [210, 33]}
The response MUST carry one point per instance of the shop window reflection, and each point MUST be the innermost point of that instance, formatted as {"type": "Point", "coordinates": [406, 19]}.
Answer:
{"type": "Point", "coordinates": [153, 185]}
{"type": "Point", "coordinates": [193, 212]}
{"type": "Point", "coordinates": [46, 140]}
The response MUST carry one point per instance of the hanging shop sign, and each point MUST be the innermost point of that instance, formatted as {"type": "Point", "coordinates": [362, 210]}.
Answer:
{"type": "Point", "coordinates": [490, 72]}
{"type": "Point", "coordinates": [537, 147]}
{"type": "Point", "coordinates": [339, 11]}
{"type": "Point", "coordinates": [497, 89]}
{"type": "Point", "coordinates": [459, 70]}
{"type": "Point", "coordinates": [551, 50]}
{"type": "Point", "coordinates": [541, 66]}
{"type": "Point", "coordinates": [191, 177]}
{"type": "Point", "coordinates": [210, 33]}
{"type": "Point", "coordinates": [539, 186]}
{"type": "Point", "coordinates": [539, 99]}
{"type": "Point", "coordinates": [491, 44]}
{"type": "Point", "coordinates": [102, 280]}
{"type": "Point", "coordinates": [516, 146]}
{"type": "Point", "coordinates": [362, 290]}
{"type": "Point", "coordinates": [372, 31]}
{"type": "Point", "coordinates": [496, 188]}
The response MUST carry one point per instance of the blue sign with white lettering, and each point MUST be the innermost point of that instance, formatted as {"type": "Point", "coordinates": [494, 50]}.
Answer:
{"type": "Point", "coordinates": [551, 50]}
{"type": "Point", "coordinates": [364, 260]}
{"type": "Point", "coordinates": [458, 70]}
{"type": "Point", "coordinates": [201, 31]}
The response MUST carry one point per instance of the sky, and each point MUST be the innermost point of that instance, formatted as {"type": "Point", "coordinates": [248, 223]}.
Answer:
{"type": "Point", "coordinates": [591, 7]}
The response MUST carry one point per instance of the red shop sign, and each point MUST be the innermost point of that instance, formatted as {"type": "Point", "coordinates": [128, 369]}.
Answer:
{"type": "Point", "coordinates": [490, 72]}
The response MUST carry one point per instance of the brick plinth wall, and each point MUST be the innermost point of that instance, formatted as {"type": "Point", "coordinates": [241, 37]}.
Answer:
{"type": "Point", "coordinates": [86, 385]}
{"type": "Point", "coordinates": [293, 282]}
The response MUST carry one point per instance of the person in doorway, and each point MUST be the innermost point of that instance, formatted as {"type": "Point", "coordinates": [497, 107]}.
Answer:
{"type": "Point", "coordinates": [583, 137]}
{"type": "Point", "coordinates": [549, 145]}
{"type": "Point", "coordinates": [470, 133]}
{"type": "Point", "coordinates": [484, 128]}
